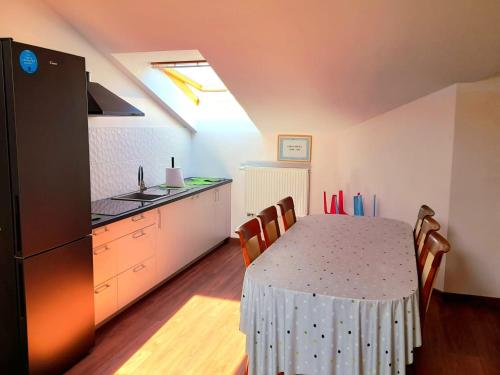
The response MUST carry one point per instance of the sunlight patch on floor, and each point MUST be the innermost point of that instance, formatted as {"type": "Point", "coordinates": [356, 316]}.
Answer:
{"type": "Point", "coordinates": [203, 337]}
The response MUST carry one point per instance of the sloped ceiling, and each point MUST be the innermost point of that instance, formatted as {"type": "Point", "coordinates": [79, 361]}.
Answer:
{"type": "Point", "coordinates": [297, 64]}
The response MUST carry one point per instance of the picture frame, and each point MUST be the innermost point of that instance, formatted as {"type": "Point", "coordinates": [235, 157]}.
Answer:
{"type": "Point", "coordinates": [294, 147]}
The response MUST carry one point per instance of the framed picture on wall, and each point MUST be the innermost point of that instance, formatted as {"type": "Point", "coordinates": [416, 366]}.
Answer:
{"type": "Point", "coordinates": [294, 147]}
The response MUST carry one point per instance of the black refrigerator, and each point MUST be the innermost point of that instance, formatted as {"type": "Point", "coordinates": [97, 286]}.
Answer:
{"type": "Point", "coordinates": [46, 287]}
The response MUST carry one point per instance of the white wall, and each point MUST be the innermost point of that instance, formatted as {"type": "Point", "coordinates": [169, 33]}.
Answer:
{"type": "Point", "coordinates": [221, 147]}
{"type": "Point", "coordinates": [113, 169]}
{"type": "Point", "coordinates": [116, 152]}
{"type": "Point", "coordinates": [403, 156]}
{"type": "Point", "coordinates": [474, 261]}
{"type": "Point", "coordinates": [137, 66]}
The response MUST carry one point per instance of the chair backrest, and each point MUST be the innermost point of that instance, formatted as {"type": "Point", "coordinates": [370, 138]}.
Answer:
{"type": "Point", "coordinates": [287, 209]}
{"type": "Point", "coordinates": [434, 248]}
{"type": "Point", "coordinates": [423, 212]}
{"type": "Point", "coordinates": [250, 241]}
{"type": "Point", "coordinates": [429, 225]}
{"type": "Point", "coordinates": [270, 225]}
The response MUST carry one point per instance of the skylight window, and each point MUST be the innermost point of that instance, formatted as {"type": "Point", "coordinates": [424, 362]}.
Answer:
{"type": "Point", "coordinates": [193, 78]}
{"type": "Point", "coordinates": [187, 86]}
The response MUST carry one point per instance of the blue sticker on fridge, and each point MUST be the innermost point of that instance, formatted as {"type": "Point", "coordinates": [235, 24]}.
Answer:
{"type": "Point", "coordinates": [28, 61]}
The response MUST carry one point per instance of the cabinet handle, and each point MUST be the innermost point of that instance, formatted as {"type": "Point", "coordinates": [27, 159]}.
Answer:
{"type": "Point", "coordinates": [159, 219]}
{"type": "Point", "coordinates": [138, 268]}
{"type": "Point", "coordinates": [101, 288]}
{"type": "Point", "coordinates": [138, 218]}
{"type": "Point", "coordinates": [101, 249]}
{"type": "Point", "coordinates": [99, 231]}
{"type": "Point", "coordinates": [138, 234]}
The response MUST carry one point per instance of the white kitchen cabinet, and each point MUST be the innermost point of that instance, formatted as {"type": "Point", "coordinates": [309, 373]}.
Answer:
{"type": "Point", "coordinates": [175, 239]}
{"type": "Point", "coordinates": [222, 222]}
{"type": "Point", "coordinates": [135, 247]}
{"type": "Point", "coordinates": [123, 227]}
{"type": "Point", "coordinates": [133, 255]}
{"type": "Point", "coordinates": [136, 281]}
{"type": "Point", "coordinates": [123, 252]}
{"type": "Point", "coordinates": [203, 223]}
{"type": "Point", "coordinates": [190, 227]}
{"type": "Point", "coordinates": [105, 262]}
{"type": "Point", "coordinates": [118, 248]}
{"type": "Point", "coordinates": [105, 300]}
{"type": "Point", "coordinates": [214, 210]}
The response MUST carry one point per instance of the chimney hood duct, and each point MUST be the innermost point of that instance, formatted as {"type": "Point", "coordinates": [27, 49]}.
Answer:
{"type": "Point", "coordinates": [102, 102]}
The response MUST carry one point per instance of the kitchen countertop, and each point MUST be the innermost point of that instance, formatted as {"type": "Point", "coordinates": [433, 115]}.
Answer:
{"type": "Point", "coordinates": [101, 220]}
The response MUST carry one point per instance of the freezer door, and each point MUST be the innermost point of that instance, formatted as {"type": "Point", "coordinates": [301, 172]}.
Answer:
{"type": "Point", "coordinates": [59, 296]}
{"type": "Point", "coordinates": [49, 149]}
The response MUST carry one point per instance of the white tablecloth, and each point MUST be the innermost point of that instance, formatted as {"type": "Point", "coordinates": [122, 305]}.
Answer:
{"type": "Point", "coordinates": [334, 295]}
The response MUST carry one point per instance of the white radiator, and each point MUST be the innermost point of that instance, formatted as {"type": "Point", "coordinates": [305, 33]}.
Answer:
{"type": "Point", "coordinates": [265, 186]}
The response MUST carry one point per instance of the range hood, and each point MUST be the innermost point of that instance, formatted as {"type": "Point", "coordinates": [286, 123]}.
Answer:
{"type": "Point", "coordinates": [102, 102]}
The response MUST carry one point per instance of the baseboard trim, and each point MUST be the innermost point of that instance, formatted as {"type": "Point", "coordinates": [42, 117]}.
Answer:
{"type": "Point", "coordinates": [493, 301]}
{"type": "Point", "coordinates": [233, 241]}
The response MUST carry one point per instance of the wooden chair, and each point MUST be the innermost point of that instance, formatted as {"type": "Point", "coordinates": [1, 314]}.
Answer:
{"type": "Point", "coordinates": [429, 225]}
{"type": "Point", "coordinates": [287, 209]}
{"type": "Point", "coordinates": [423, 212]}
{"type": "Point", "coordinates": [270, 225]}
{"type": "Point", "coordinates": [433, 250]}
{"type": "Point", "coordinates": [250, 240]}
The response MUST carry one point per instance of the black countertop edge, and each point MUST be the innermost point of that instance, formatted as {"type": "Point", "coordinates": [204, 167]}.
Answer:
{"type": "Point", "coordinates": [105, 219]}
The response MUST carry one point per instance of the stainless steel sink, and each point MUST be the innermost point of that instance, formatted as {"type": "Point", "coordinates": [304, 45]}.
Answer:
{"type": "Point", "coordinates": [152, 194]}
{"type": "Point", "coordinates": [138, 196]}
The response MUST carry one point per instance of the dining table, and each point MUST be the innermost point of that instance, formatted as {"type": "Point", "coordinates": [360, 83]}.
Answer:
{"type": "Point", "coordinates": [335, 294]}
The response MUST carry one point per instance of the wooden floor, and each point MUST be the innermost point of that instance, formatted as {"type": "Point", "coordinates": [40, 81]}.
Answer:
{"type": "Point", "coordinates": [461, 336]}
{"type": "Point", "coordinates": [190, 326]}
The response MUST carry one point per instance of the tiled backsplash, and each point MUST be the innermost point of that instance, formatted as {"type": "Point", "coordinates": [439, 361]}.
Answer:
{"type": "Point", "coordinates": [116, 153]}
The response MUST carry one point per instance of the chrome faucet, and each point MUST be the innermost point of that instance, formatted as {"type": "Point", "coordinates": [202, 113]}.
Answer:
{"type": "Point", "coordinates": [140, 179]}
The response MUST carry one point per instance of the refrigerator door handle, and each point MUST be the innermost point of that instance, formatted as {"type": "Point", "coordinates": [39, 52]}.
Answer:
{"type": "Point", "coordinates": [17, 227]}
{"type": "Point", "coordinates": [21, 302]}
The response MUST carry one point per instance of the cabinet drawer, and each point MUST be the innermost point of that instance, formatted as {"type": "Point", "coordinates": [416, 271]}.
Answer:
{"type": "Point", "coordinates": [135, 247]}
{"type": "Point", "coordinates": [116, 230]}
{"type": "Point", "coordinates": [105, 262]}
{"type": "Point", "coordinates": [135, 281]}
{"type": "Point", "coordinates": [105, 300]}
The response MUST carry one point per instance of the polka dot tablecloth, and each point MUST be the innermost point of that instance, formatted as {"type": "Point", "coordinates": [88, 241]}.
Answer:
{"type": "Point", "coordinates": [334, 295]}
